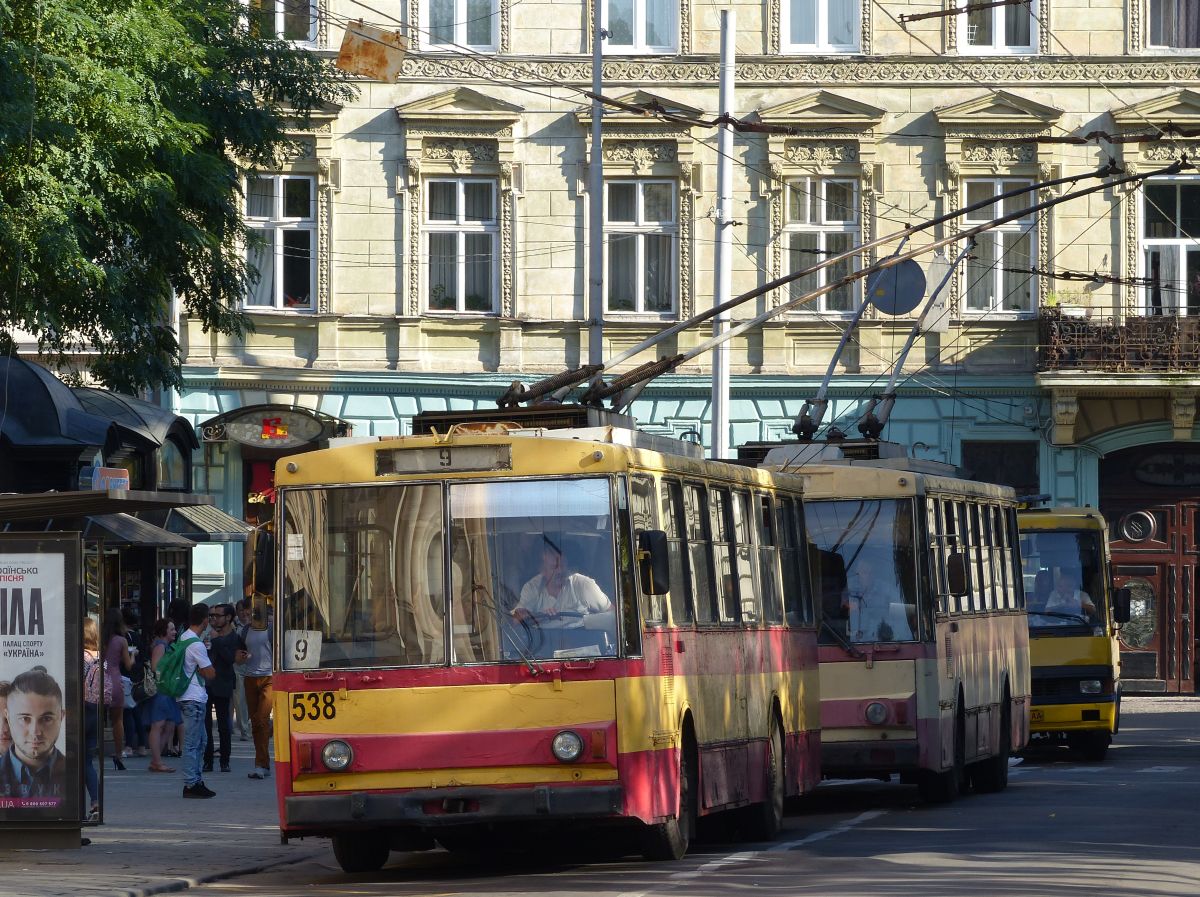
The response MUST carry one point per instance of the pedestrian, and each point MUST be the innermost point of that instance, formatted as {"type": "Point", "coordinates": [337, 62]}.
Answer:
{"type": "Point", "coordinates": [241, 713]}
{"type": "Point", "coordinates": [258, 687]}
{"type": "Point", "coordinates": [225, 648]}
{"type": "Point", "coordinates": [198, 669]}
{"type": "Point", "coordinates": [162, 713]}
{"type": "Point", "coordinates": [91, 714]}
{"type": "Point", "coordinates": [117, 657]}
{"type": "Point", "coordinates": [135, 725]}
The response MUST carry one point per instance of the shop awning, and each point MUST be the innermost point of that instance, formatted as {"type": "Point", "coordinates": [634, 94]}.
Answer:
{"type": "Point", "coordinates": [64, 505]}
{"type": "Point", "coordinates": [123, 529]}
{"type": "Point", "coordinates": [203, 523]}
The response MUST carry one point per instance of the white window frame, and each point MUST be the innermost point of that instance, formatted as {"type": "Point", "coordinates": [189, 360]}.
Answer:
{"type": "Point", "coordinates": [462, 228]}
{"type": "Point", "coordinates": [822, 44]}
{"type": "Point", "coordinates": [822, 229]}
{"type": "Point", "coordinates": [642, 228]}
{"type": "Point", "coordinates": [997, 47]}
{"type": "Point", "coordinates": [276, 223]}
{"type": "Point", "coordinates": [1149, 19]}
{"type": "Point", "coordinates": [1174, 300]}
{"type": "Point", "coordinates": [639, 45]}
{"type": "Point", "coordinates": [461, 21]}
{"type": "Point", "coordinates": [999, 236]}
{"type": "Point", "coordinates": [314, 16]}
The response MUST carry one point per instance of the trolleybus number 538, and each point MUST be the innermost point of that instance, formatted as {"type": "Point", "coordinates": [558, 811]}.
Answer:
{"type": "Point", "coordinates": [313, 705]}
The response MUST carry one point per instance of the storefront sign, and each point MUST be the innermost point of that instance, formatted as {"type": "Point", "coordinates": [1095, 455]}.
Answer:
{"type": "Point", "coordinates": [274, 427]}
{"type": "Point", "coordinates": [103, 478]}
{"type": "Point", "coordinates": [40, 661]}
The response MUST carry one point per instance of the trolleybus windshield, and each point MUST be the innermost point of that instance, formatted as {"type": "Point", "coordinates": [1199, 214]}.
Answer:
{"type": "Point", "coordinates": [1064, 580]}
{"type": "Point", "coordinates": [530, 566]}
{"type": "Point", "coordinates": [864, 570]}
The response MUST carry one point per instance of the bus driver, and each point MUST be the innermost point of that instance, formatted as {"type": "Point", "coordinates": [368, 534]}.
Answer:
{"type": "Point", "coordinates": [555, 590]}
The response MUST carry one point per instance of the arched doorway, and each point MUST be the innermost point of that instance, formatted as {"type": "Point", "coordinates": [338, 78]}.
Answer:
{"type": "Point", "coordinates": [1150, 496]}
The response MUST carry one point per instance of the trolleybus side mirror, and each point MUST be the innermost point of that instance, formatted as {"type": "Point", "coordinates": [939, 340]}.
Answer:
{"type": "Point", "coordinates": [654, 566]}
{"type": "Point", "coordinates": [1121, 604]}
{"type": "Point", "coordinates": [956, 574]}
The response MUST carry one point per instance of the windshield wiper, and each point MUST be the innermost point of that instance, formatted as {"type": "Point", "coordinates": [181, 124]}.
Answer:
{"type": "Point", "coordinates": [841, 640]}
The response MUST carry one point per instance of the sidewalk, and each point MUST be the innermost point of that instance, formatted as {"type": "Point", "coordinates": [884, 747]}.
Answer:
{"type": "Point", "coordinates": [154, 841]}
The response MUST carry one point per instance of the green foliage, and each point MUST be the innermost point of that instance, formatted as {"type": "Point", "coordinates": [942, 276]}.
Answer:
{"type": "Point", "coordinates": [124, 127]}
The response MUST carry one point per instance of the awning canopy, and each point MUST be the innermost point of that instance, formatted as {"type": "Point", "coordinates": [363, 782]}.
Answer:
{"type": "Point", "coordinates": [45, 505]}
{"type": "Point", "coordinates": [201, 523]}
{"type": "Point", "coordinates": [123, 529]}
{"type": "Point", "coordinates": [139, 421]}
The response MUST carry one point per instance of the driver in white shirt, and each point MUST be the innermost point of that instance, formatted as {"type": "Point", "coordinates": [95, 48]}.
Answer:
{"type": "Point", "coordinates": [556, 590]}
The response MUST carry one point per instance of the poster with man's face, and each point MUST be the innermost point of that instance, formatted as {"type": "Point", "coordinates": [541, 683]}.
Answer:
{"type": "Point", "coordinates": [37, 781]}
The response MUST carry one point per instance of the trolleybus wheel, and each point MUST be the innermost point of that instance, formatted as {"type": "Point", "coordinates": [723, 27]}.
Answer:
{"type": "Point", "coordinates": [767, 818]}
{"type": "Point", "coordinates": [669, 840]}
{"type": "Point", "coordinates": [943, 787]}
{"type": "Point", "coordinates": [991, 775]}
{"type": "Point", "coordinates": [361, 851]}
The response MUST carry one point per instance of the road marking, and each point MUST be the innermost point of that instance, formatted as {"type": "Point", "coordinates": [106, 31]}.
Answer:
{"type": "Point", "coordinates": [829, 832]}
{"type": "Point", "coordinates": [1164, 769]}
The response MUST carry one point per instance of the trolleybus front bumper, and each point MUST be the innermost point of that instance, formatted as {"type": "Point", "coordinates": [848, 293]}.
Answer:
{"type": "Point", "coordinates": [449, 807]}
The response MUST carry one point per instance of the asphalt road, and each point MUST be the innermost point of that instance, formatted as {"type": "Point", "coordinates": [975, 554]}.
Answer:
{"type": "Point", "coordinates": [1123, 828]}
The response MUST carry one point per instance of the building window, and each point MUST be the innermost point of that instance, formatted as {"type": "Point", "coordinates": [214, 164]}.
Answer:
{"type": "Point", "coordinates": [822, 220]}
{"type": "Point", "coordinates": [997, 273]}
{"type": "Point", "coordinates": [1000, 29]}
{"type": "Point", "coordinates": [809, 26]}
{"type": "Point", "coordinates": [1170, 251]}
{"type": "Point", "coordinates": [455, 24]}
{"type": "Point", "coordinates": [640, 235]}
{"type": "Point", "coordinates": [287, 19]}
{"type": "Point", "coordinates": [462, 232]}
{"type": "Point", "coordinates": [1174, 24]}
{"type": "Point", "coordinates": [641, 26]}
{"type": "Point", "coordinates": [281, 215]}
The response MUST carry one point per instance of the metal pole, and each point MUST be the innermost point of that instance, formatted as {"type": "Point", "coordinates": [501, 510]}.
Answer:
{"type": "Point", "coordinates": [595, 301]}
{"type": "Point", "coordinates": [719, 440]}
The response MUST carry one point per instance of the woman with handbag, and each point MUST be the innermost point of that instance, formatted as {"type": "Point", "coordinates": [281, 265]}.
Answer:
{"type": "Point", "coordinates": [93, 693]}
{"type": "Point", "coordinates": [116, 659]}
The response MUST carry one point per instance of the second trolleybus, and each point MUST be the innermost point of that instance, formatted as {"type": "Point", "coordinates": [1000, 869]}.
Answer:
{"type": "Point", "coordinates": [425, 692]}
{"type": "Point", "coordinates": [924, 648]}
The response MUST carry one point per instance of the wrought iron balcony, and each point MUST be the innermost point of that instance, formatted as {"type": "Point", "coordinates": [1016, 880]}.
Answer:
{"type": "Point", "coordinates": [1157, 343]}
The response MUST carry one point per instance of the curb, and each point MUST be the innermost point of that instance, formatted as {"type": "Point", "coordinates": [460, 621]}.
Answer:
{"type": "Point", "coordinates": [182, 884]}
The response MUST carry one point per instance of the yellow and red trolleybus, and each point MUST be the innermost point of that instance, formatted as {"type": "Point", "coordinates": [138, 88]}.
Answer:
{"type": "Point", "coordinates": [924, 648]}
{"type": "Point", "coordinates": [425, 689]}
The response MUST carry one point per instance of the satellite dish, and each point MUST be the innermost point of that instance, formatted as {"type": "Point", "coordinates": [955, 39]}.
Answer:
{"type": "Point", "coordinates": [897, 290]}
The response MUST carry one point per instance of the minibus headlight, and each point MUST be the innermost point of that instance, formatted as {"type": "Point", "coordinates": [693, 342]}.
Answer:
{"type": "Point", "coordinates": [1090, 686]}
{"type": "Point", "coordinates": [876, 713]}
{"type": "Point", "coordinates": [567, 746]}
{"type": "Point", "coordinates": [337, 756]}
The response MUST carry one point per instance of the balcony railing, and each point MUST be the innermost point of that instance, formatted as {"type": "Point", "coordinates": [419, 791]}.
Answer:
{"type": "Point", "coordinates": [1157, 343]}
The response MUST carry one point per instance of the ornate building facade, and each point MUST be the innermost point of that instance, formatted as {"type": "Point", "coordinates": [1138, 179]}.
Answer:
{"type": "Point", "coordinates": [428, 245]}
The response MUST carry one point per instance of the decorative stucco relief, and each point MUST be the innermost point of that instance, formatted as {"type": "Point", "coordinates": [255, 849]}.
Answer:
{"type": "Point", "coordinates": [993, 153]}
{"type": "Point", "coordinates": [823, 152]}
{"type": "Point", "coordinates": [641, 153]}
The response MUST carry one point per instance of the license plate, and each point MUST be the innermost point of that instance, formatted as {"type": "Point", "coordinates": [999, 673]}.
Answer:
{"type": "Point", "coordinates": [1036, 716]}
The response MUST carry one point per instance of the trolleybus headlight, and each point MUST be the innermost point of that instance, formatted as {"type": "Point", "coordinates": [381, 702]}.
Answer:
{"type": "Point", "coordinates": [567, 746]}
{"type": "Point", "coordinates": [876, 713]}
{"type": "Point", "coordinates": [337, 756]}
{"type": "Point", "coordinates": [1089, 686]}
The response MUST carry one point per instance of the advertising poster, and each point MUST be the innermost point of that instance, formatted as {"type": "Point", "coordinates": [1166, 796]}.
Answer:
{"type": "Point", "coordinates": [39, 725]}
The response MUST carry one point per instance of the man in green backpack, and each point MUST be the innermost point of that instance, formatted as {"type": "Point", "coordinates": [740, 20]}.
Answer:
{"type": "Point", "coordinates": [197, 668]}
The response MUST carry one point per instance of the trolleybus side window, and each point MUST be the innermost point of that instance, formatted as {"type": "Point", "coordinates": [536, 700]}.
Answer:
{"type": "Point", "coordinates": [749, 606]}
{"type": "Point", "coordinates": [797, 588]}
{"type": "Point", "coordinates": [673, 523]}
{"type": "Point", "coordinates": [937, 551]}
{"type": "Point", "coordinates": [983, 561]}
{"type": "Point", "coordinates": [724, 555]}
{"type": "Point", "coordinates": [700, 552]}
{"type": "Point", "coordinates": [631, 629]}
{"type": "Point", "coordinates": [768, 560]}
{"type": "Point", "coordinates": [643, 507]}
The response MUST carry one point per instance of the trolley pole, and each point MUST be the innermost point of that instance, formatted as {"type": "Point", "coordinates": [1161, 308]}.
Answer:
{"type": "Point", "coordinates": [724, 248]}
{"type": "Point", "coordinates": [595, 303]}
